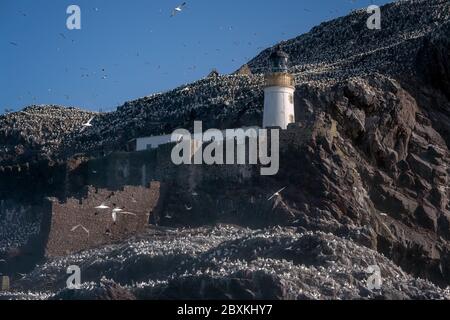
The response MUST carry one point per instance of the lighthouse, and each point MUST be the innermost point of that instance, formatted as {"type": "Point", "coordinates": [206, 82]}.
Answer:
{"type": "Point", "coordinates": [279, 92]}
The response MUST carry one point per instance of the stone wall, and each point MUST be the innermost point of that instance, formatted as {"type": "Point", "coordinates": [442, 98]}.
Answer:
{"type": "Point", "coordinates": [192, 192]}
{"type": "Point", "coordinates": [96, 227]}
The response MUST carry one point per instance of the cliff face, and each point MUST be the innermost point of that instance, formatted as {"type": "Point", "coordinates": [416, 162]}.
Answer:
{"type": "Point", "coordinates": [387, 170]}
{"type": "Point", "coordinates": [374, 172]}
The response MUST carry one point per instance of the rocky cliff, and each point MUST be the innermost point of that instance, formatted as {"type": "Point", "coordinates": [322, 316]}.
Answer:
{"type": "Point", "coordinates": [377, 179]}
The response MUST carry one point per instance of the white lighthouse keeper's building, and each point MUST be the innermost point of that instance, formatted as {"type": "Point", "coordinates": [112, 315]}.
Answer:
{"type": "Point", "coordinates": [279, 92]}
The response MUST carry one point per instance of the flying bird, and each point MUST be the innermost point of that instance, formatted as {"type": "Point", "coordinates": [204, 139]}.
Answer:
{"type": "Point", "coordinates": [87, 124]}
{"type": "Point", "coordinates": [178, 9]}
{"type": "Point", "coordinates": [129, 213]}
{"type": "Point", "coordinates": [79, 226]}
{"type": "Point", "coordinates": [118, 210]}
{"type": "Point", "coordinates": [276, 194]}
{"type": "Point", "coordinates": [102, 207]}
{"type": "Point", "coordinates": [13, 43]}
{"type": "Point", "coordinates": [114, 213]}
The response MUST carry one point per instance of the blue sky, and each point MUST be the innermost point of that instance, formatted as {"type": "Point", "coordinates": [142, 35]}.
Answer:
{"type": "Point", "coordinates": [137, 46]}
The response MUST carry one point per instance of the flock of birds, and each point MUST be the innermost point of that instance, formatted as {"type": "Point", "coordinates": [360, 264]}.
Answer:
{"type": "Point", "coordinates": [179, 101]}
{"type": "Point", "coordinates": [319, 58]}
{"type": "Point", "coordinates": [188, 257]}
{"type": "Point", "coordinates": [344, 48]}
{"type": "Point", "coordinates": [179, 9]}
{"type": "Point", "coordinates": [226, 262]}
{"type": "Point", "coordinates": [87, 124]}
{"type": "Point", "coordinates": [58, 131]}
{"type": "Point", "coordinates": [114, 213]}
{"type": "Point", "coordinates": [16, 229]}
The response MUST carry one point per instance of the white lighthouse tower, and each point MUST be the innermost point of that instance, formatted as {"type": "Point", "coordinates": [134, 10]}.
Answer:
{"type": "Point", "coordinates": [279, 92]}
